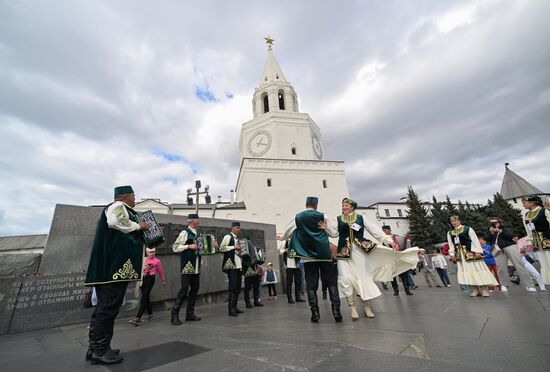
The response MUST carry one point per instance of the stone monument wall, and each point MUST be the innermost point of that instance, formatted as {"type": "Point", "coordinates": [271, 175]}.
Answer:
{"type": "Point", "coordinates": [55, 298]}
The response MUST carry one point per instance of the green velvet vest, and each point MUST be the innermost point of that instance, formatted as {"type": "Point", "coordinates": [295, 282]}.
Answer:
{"type": "Point", "coordinates": [345, 232]}
{"type": "Point", "coordinates": [309, 240]}
{"type": "Point", "coordinates": [465, 245]}
{"type": "Point", "coordinates": [188, 257]}
{"type": "Point", "coordinates": [115, 257]}
{"type": "Point", "coordinates": [542, 228]}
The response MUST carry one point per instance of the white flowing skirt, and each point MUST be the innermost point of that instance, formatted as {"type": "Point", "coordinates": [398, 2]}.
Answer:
{"type": "Point", "coordinates": [544, 259]}
{"type": "Point", "coordinates": [362, 270]}
{"type": "Point", "coordinates": [474, 273]}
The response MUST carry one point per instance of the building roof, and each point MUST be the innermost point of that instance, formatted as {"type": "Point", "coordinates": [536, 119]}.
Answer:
{"type": "Point", "coordinates": [515, 186]}
{"type": "Point", "coordinates": [239, 205]}
{"type": "Point", "coordinates": [185, 206]}
{"type": "Point", "coordinates": [20, 243]}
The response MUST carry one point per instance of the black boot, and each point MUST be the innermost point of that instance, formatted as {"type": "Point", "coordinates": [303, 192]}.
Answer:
{"type": "Point", "coordinates": [408, 291]}
{"type": "Point", "coordinates": [235, 305]}
{"type": "Point", "coordinates": [90, 350]}
{"type": "Point", "coordinates": [102, 353]}
{"type": "Point", "coordinates": [396, 291]}
{"type": "Point", "coordinates": [247, 301]}
{"type": "Point", "coordinates": [108, 357]}
{"type": "Point", "coordinates": [190, 312]}
{"type": "Point", "coordinates": [175, 314]}
{"type": "Point", "coordinates": [314, 306]}
{"type": "Point", "coordinates": [289, 295]}
{"type": "Point", "coordinates": [230, 306]}
{"type": "Point", "coordinates": [257, 302]}
{"type": "Point", "coordinates": [335, 303]}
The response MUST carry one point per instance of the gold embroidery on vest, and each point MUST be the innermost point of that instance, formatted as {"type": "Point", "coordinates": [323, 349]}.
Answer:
{"type": "Point", "coordinates": [250, 272]}
{"type": "Point", "coordinates": [126, 272]}
{"type": "Point", "coordinates": [229, 265]}
{"type": "Point", "coordinates": [188, 269]}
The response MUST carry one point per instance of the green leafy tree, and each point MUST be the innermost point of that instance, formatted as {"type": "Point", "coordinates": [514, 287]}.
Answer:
{"type": "Point", "coordinates": [420, 229]}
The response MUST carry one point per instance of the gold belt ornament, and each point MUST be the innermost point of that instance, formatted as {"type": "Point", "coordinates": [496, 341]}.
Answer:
{"type": "Point", "coordinates": [538, 241]}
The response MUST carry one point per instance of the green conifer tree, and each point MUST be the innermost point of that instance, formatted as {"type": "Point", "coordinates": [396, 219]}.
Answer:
{"type": "Point", "coordinates": [420, 229]}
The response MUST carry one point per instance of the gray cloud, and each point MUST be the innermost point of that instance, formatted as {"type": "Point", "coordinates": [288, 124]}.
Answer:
{"type": "Point", "coordinates": [437, 95]}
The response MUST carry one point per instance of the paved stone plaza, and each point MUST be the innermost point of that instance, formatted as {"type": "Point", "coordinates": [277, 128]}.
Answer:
{"type": "Point", "coordinates": [437, 329]}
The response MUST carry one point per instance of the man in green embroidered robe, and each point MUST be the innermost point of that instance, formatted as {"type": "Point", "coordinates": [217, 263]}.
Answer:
{"type": "Point", "coordinates": [116, 260]}
{"type": "Point", "coordinates": [190, 263]}
{"type": "Point", "coordinates": [310, 243]}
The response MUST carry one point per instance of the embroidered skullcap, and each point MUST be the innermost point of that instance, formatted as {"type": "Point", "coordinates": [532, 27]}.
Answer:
{"type": "Point", "coordinates": [122, 190]}
{"type": "Point", "coordinates": [350, 202]}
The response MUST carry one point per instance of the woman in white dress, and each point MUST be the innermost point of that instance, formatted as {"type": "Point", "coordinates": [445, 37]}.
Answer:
{"type": "Point", "coordinates": [537, 225]}
{"type": "Point", "coordinates": [360, 260]}
{"type": "Point", "coordinates": [466, 251]}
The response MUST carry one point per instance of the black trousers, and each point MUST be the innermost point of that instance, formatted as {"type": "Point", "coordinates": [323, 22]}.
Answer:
{"type": "Point", "coordinates": [190, 284]}
{"type": "Point", "coordinates": [293, 275]}
{"type": "Point", "coordinates": [271, 289]}
{"type": "Point", "coordinates": [329, 275]}
{"type": "Point", "coordinates": [234, 277]}
{"type": "Point", "coordinates": [109, 300]}
{"type": "Point", "coordinates": [145, 303]}
{"type": "Point", "coordinates": [404, 279]}
{"type": "Point", "coordinates": [251, 282]}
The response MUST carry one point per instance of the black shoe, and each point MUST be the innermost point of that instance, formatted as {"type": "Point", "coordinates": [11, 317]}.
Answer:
{"type": "Point", "coordinates": [336, 313]}
{"type": "Point", "coordinates": [315, 316]}
{"type": "Point", "coordinates": [249, 305]}
{"type": "Point", "coordinates": [108, 358]}
{"type": "Point", "coordinates": [89, 353]}
{"type": "Point", "coordinates": [438, 286]}
{"type": "Point", "coordinates": [192, 317]}
{"type": "Point", "coordinates": [238, 311]}
{"type": "Point", "coordinates": [396, 292]}
{"type": "Point", "coordinates": [291, 300]}
{"type": "Point", "coordinates": [385, 286]}
{"type": "Point", "coordinates": [175, 320]}
{"type": "Point", "coordinates": [408, 292]}
{"type": "Point", "coordinates": [258, 304]}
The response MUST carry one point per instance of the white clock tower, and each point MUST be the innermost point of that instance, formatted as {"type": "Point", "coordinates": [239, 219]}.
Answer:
{"type": "Point", "coordinates": [282, 158]}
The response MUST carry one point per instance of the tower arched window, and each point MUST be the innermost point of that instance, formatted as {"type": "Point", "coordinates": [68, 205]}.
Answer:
{"type": "Point", "coordinates": [265, 99]}
{"type": "Point", "coordinates": [269, 182]}
{"type": "Point", "coordinates": [281, 96]}
{"type": "Point", "coordinates": [324, 184]}
{"type": "Point", "coordinates": [293, 150]}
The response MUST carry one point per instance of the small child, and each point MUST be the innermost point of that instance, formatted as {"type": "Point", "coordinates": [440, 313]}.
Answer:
{"type": "Point", "coordinates": [270, 279]}
{"type": "Point", "coordinates": [440, 265]}
{"type": "Point", "coordinates": [490, 261]}
{"type": "Point", "coordinates": [152, 265]}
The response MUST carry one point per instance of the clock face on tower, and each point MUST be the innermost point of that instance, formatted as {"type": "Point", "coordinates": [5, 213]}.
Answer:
{"type": "Point", "coordinates": [317, 149]}
{"type": "Point", "coordinates": [259, 143]}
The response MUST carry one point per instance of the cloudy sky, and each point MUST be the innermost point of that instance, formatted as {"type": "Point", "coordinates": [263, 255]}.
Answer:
{"type": "Point", "coordinates": [434, 94]}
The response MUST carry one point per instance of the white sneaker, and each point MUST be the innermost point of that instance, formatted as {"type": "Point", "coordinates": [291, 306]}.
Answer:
{"type": "Point", "coordinates": [531, 289]}
{"type": "Point", "coordinates": [503, 289]}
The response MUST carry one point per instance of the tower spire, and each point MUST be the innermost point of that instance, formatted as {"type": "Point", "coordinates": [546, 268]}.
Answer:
{"type": "Point", "coordinates": [272, 70]}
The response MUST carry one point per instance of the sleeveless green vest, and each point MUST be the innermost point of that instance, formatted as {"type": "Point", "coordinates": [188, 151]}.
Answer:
{"type": "Point", "coordinates": [116, 256]}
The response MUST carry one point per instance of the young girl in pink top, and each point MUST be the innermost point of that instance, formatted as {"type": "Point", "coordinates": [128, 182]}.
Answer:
{"type": "Point", "coordinates": [152, 266]}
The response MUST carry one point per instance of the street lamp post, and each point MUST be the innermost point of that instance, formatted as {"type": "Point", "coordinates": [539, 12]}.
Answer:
{"type": "Point", "coordinates": [196, 194]}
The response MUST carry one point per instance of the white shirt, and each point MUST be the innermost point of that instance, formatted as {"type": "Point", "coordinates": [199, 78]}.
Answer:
{"type": "Point", "coordinates": [439, 262]}
{"type": "Point", "coordinates": [225, 247]}
{"type": "Point", "coordinates": [118, 218]}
